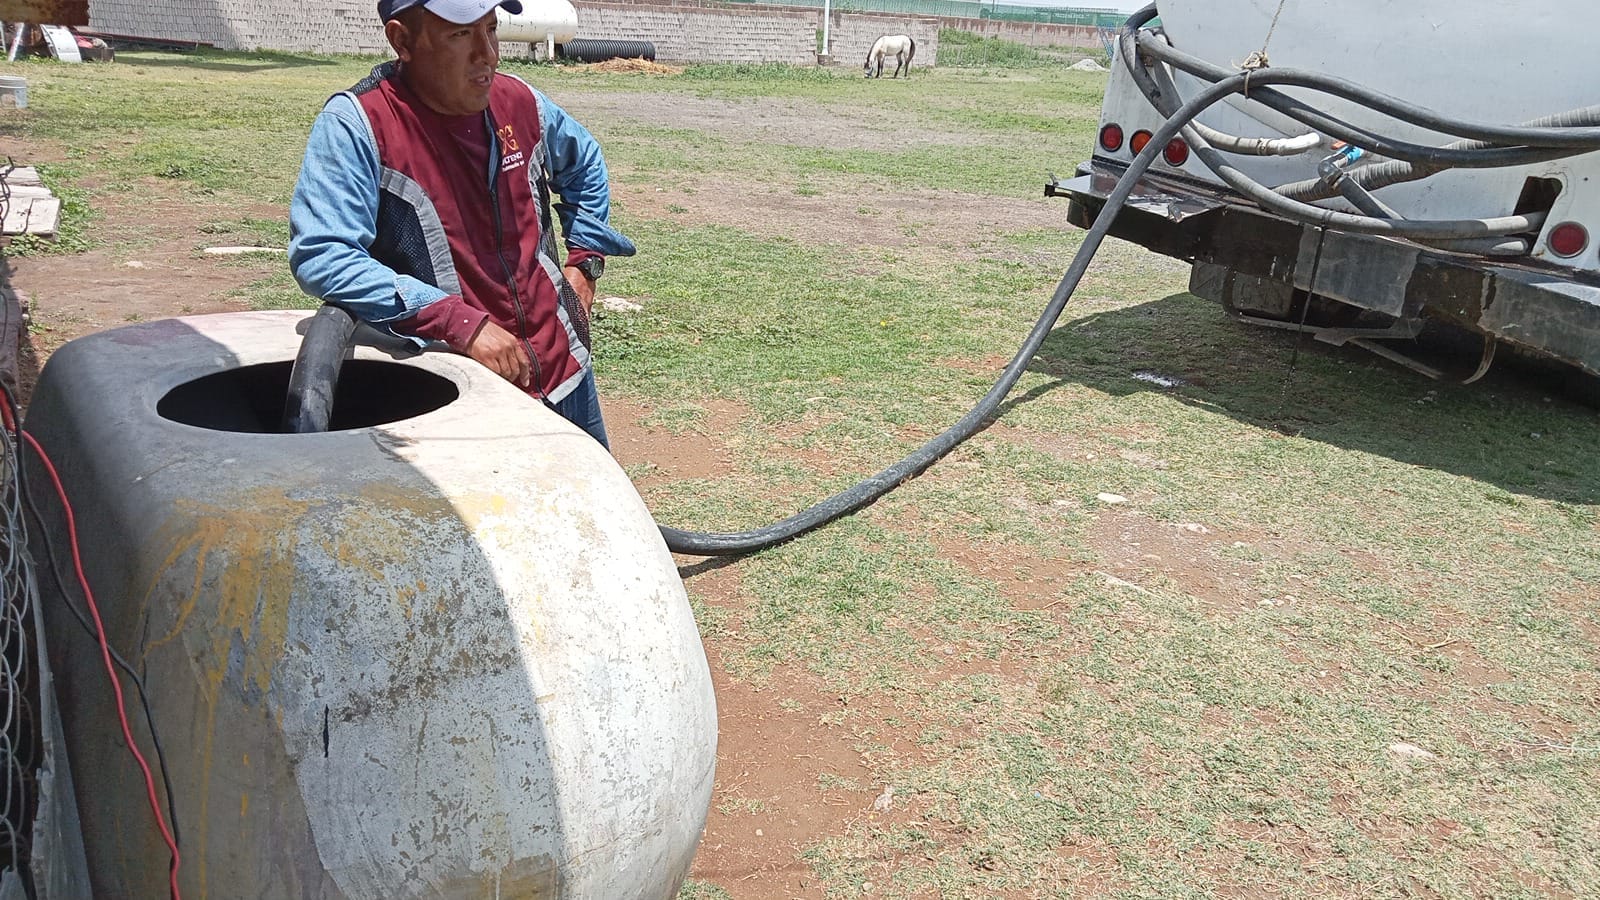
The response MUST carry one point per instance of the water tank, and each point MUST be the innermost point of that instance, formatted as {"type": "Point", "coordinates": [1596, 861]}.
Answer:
{"type": "Point", "coordinates": [438, 651]}
{"type": "Point", "coordinates": [539, 18]}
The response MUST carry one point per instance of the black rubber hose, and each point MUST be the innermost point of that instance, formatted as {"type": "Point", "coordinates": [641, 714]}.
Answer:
{"type": "Point", "coordinates": [1166, 103]}
{"type": "Point", "coordinates": [308, 408]}
{"type": "Point", "coordinates": [848, 501]}
{"type": "Point", "coordinates": [1482, 155]}
{"type": "Point", "coordinates": [1382, 174]}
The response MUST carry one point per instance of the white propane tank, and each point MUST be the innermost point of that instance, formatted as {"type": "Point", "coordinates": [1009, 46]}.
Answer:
{"type": "Point", "coordinates": [539, 21]}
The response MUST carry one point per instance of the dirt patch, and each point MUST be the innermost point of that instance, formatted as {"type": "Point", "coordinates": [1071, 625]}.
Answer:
{"type": "Point", "coordinates": [785, 781]}
{"type": "Point", "coordinates": [668, 455]}
{"type": "Point", "coordinates": [766, 121]}
{"type": "Point", "coordinates": [1188, 556]}
{"type": "Point", "coordinates": [148, 266]}
{"type": "Point", "coordinates": [1026, 579]}
{"type": "Point", "coordinates": [921, 220]}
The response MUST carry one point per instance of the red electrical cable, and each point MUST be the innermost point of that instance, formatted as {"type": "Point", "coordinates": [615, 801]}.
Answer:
{"type": "Point", "coordinates": [105, 650]}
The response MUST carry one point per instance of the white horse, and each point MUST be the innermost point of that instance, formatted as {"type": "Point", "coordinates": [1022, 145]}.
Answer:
{"type": "Point", "coordinates": [900, 46]}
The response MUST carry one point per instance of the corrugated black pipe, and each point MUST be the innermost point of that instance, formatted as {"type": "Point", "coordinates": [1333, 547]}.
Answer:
{"type": "Point", "coordinates": [308, 409]}
{"type": "Point", "coordinates": [600, 51]}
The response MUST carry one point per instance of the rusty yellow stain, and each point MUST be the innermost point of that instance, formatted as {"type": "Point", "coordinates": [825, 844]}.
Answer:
{"type": "Point", "coordinates": [244, 553]}
{"type": "Point", "coordinates": [474, 508]}
{"type": "Point", "coordinates": [244, 569]}
{"type": "Point", "coordinates": [188, 605]}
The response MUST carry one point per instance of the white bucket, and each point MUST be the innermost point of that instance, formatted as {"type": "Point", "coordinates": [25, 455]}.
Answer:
{"type": "Point", "coordinates": [13, 91]}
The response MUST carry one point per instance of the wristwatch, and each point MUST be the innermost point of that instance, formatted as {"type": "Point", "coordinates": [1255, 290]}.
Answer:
{"type": "Point", "coordinates": [593, 267]}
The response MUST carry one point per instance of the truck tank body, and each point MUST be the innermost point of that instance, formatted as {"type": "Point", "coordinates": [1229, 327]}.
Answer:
{"type": "Point", "coordinates": [440, 651]}
{"type": "Point", "coordinates": [1478, 60]}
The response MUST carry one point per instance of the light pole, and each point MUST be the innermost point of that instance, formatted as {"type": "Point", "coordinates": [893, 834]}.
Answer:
{"type": "Point", "coordinates": [825, 18]}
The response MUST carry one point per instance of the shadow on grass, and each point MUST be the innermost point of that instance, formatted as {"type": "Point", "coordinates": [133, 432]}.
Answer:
{"type": "Point", "coordinates": [1518, 429]}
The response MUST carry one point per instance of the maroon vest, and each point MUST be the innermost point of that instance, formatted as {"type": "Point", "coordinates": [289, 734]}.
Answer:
{"type": "Point", "coordinates": [497, 226]}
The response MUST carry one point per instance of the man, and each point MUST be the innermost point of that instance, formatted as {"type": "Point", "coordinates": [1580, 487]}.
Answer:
{"type": "Point", "coordinates": [423, 207]}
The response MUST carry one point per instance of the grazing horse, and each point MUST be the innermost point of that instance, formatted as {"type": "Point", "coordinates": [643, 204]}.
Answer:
{"type": "Point", "coordinates": [900, 46]}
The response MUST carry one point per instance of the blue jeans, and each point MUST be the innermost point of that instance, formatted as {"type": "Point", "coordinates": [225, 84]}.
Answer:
{"type": "Point", "coordinates": [582, 408]}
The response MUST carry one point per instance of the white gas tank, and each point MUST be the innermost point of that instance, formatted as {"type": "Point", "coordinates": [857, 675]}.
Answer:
{"type": "Point", "coordinates": [438, 651]}
{"type": "Point", "coordinates": [539, 20]}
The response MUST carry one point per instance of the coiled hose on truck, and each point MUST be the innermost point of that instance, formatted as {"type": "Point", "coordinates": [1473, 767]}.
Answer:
{"type": "Point", "coordinates": [1502, 145]}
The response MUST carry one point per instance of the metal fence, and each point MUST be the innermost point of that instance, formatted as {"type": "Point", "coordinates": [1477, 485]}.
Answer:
{"type": "Point", "coordinates": [969, 9]}
{"type": "Point", "coordinates": [20, 734]}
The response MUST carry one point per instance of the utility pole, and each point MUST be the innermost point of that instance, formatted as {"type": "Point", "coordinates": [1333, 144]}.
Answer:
{"type": "Point", "coordinates": [826, 10]}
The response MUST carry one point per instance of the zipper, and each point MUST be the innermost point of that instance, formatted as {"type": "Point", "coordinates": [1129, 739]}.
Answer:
{"type": "Point", "coordinates": [499, 253]}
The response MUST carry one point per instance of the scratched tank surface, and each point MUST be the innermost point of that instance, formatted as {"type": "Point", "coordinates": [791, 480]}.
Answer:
{"type": "Point", "coordinates": [440, 651]}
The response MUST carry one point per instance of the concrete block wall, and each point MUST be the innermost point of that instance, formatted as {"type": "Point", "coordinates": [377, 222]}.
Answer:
{"type": "Point", "coordinates": [851, 35]}
{"type": "Point", "coordinates": [1034, 34]}
{"type": "Point", "coordinates": [302, 26]}
{"type": "Point", "coordinates": [693, 34]}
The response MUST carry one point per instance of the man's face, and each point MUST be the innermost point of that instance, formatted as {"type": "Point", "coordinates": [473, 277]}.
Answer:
{"type": "Point", "coordinates": [449, 66]}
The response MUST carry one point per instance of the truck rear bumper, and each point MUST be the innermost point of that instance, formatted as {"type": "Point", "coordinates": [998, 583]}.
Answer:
{"type": "Point", "coordinates": [1547, 310]}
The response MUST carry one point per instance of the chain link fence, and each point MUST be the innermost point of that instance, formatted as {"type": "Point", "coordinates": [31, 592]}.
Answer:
{"type": "Point", "coordinates": [970, 9]}
{"type": "Point", "coordinates": [19, 647]}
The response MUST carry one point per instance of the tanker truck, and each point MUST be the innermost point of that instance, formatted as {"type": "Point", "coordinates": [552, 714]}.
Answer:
{"type": "Point", "coordinates": [1440, 177]}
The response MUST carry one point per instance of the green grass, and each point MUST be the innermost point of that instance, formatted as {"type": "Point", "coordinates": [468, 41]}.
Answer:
{"type": "Point", "coordinates": [963, 48]}
{"type": "Point", "coordinates": [1191, 694]}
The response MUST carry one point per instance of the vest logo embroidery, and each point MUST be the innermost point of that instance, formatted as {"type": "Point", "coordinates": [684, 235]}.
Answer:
{"type": "Point", "coordinates": [511, 157]}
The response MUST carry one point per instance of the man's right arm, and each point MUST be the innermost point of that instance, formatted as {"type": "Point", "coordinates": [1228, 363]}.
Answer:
{"type": "Point", "coordinates": [333, 220]}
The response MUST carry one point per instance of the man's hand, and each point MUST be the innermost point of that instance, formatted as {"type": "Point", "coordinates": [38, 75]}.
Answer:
{"type": "Point", "coordinates": [503, 354]}
{"type": "Point", "coordinates": [582, 286]}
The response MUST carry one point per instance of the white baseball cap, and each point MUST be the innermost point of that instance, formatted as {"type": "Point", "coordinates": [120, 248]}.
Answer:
{"type": "Point", "coordinates": [460, 12]}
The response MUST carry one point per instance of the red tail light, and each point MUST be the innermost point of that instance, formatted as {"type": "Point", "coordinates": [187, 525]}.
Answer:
{"type": "Point", "coordinates": [1568, 239]}
{"type": "Point", "coordinates": [1176, 152]}
{"type": "Point", "coordinates": [1111, 138]}
{"type": "Point", "coordinates": [1140, 138]}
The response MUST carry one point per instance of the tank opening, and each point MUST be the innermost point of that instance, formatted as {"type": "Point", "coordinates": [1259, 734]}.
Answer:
{"type": "Point", "coordinates": [250, 399]}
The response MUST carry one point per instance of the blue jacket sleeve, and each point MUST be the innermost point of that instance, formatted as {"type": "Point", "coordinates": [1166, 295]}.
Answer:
{"type": "Point", "coordinates": [333, 220]}
{"type": "Point", "coordinates": [578, 174]}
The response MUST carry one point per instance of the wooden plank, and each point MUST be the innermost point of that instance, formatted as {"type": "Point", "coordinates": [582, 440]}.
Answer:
{"type": "Point", "coordinates": [44, 216]}
{"type": "Point", "coordinates": [16, 219]}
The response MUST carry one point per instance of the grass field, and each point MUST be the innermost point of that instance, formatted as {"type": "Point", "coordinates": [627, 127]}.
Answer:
{"type": "Point", "coordinates": [1340, 640]}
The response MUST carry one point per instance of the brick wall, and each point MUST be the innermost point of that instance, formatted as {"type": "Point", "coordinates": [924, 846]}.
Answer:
{"type": "Point", "coordinates": [307, 26]}
{"type": "Point", "coordinates": [1034, 34]}
{"type": "Point", "coordinates": [851, 35]}
{"type": "Point", "coordinates": [683, 33]}
{"type": "Point", "coordinates": [682, 30]}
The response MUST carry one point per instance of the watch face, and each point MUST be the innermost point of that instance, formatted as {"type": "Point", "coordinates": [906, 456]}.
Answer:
{"type": "Point", "coordinates": [593, 267]}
